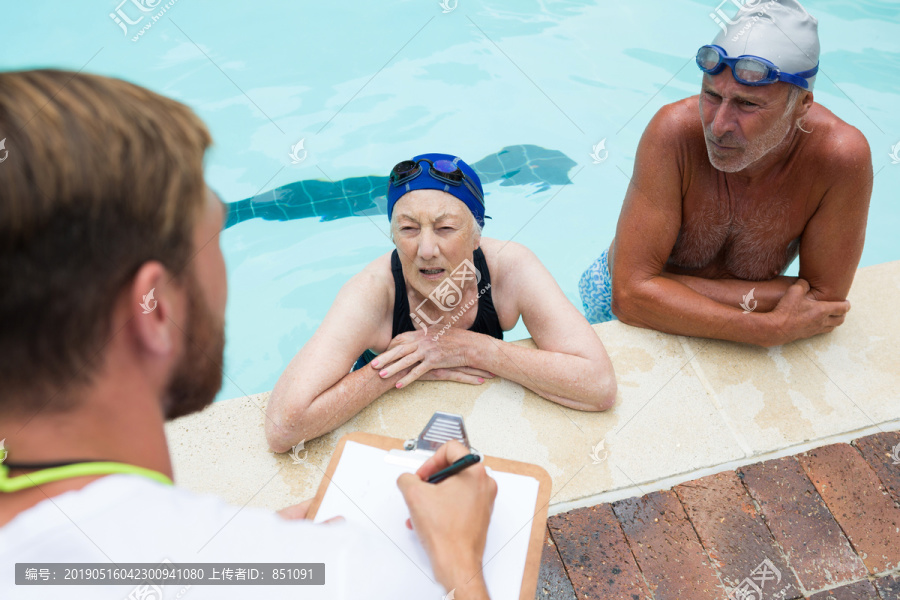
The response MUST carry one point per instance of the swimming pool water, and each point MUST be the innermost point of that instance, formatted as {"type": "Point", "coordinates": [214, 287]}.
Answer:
{"type": "Point", "coordinates": [366, 84]}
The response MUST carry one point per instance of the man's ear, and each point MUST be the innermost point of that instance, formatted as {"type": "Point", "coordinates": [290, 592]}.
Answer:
{"type": "Point", "coordinates": [805, 104]}
{"type": "Point", "coordinates": [152, 296]}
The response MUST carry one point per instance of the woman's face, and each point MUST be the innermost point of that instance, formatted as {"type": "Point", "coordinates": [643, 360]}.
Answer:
{"type": "Point", "coordinates": [434, 233]}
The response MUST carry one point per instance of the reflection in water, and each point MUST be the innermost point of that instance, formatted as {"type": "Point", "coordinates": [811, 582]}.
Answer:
{"type": "Point", "coordinates": [357, 196]}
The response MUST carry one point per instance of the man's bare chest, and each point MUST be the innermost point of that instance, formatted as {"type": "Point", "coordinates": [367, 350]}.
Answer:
{"type": "Point", "coordinates": [746, 234]}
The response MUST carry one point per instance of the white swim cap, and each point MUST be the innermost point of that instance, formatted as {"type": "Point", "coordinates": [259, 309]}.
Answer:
{"type": "Point", "coordinates": [781, 31]}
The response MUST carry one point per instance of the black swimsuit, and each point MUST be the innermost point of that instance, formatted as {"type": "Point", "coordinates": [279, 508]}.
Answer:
{"type": "Point", "coordinates": [486, 320]}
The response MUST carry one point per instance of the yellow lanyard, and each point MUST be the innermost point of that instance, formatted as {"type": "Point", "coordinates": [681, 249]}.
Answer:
{"type": "Point", "coordinates": [30, 480]}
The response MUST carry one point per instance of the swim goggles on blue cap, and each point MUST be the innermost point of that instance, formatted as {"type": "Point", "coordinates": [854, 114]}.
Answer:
{"type": "Point", "coordinates": [443, 170]}
{"type": "Point", "coordinates": [747, 69]}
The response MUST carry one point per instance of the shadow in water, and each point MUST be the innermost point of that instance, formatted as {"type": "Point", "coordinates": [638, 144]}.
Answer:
{"type": "Point", "coordinates": [358, 196]}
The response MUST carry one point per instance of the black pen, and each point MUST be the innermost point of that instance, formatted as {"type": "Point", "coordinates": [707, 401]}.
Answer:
{"type": "Point", "coordinates": [466, 461]}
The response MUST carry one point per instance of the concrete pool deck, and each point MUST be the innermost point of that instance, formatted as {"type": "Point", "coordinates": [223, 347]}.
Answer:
{"type": "Point", "coordinates": [686, 408]}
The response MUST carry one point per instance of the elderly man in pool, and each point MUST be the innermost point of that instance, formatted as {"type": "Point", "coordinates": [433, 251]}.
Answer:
{"type": "Point", "coordinates": [435, 309]}
{"type": "Point", "coordinates": [720, 205]}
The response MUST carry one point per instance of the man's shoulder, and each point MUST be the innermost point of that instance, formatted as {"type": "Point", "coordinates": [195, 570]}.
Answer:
{"type": "Point", "coordinates": [123, 496]}
{"type": "Point", "coordinates": [676, 124]}
{"type": "Point", "coordinates": [681, 110]}
{"type": "Point", "coordinates": [679, 117]}
{"type": "Point", "coordinates": [119, 513]}
{"type": "Point", "coordinates": [134, 520]}
{"type": "Point", "coordinates": [834, 142]}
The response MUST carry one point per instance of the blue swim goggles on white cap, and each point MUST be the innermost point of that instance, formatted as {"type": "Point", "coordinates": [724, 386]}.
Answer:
{"type": "Point", "coordinates": [747, 69]}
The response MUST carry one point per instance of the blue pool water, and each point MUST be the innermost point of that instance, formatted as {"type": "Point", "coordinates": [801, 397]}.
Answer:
{"type": "Point", "coordinates": [366, 84]}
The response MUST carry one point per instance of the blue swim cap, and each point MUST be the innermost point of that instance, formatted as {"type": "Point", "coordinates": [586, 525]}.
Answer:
{"type": "Point", "coordinates": [425, 181]}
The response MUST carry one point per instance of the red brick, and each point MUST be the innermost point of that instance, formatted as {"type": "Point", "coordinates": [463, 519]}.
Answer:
{"type": "Point", "coordinates": [735, 536]}
{"type": "Point", "coordinates": [597, 557]}
{"type": "Point", "coordinates": [667, 549]}
{"type": "Point", "coordinates": [815, 546]}
{"type": "Point", "coordinates": [854, 495]}
{"type": "Point", "coordinates": [888, 587]}
{"type": "Point", "coordinates": [552, 579]}
{"type": "Point", "coordinates": [879, 451]}
{"type": "Point", "coordinates": [861, 590]}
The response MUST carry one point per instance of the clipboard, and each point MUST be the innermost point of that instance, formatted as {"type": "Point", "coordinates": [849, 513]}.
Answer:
{"type": "Point", "coordinates": [441, 428]}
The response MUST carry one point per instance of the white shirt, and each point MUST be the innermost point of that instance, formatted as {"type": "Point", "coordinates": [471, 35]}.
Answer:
{"type": "Point", "coordinates": [132, 519]}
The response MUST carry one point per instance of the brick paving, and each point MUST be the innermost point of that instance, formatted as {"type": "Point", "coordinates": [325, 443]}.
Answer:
{"type": "Point", "coordinates": [888, 587]}
{"type": "Point", "coordinates": [733, 533]}
{"type": "Point", "coordinates": [666, 547]}
{"type": "Point", "coordinates": [822, 525]}
{"type": "Point", "coordinates": [801, 523]}
{"type": "Point", "coordinates": [553, 581]}
{"type": "Point", "coordinates": [879, 452]}
{"type": "Point", "coordinates": [859, 502]}
{"type": "Point", "coordinates": [598, 561]}
{"type": "Point", "coordinates": [861, 590]}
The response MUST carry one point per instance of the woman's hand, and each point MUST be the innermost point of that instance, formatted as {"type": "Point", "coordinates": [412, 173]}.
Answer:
{"type": "Point", "coordinates": [459, 374]}
{"type": "Point", "coordinates": [445, 356]}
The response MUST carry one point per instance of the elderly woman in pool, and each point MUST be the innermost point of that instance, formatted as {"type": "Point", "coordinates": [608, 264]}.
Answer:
{"type": "Point", "coordinates": [435, 309]}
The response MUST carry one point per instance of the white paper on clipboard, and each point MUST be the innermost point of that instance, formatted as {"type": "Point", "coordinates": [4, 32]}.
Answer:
{"type": "Point", "coordinates": [364, 491]}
